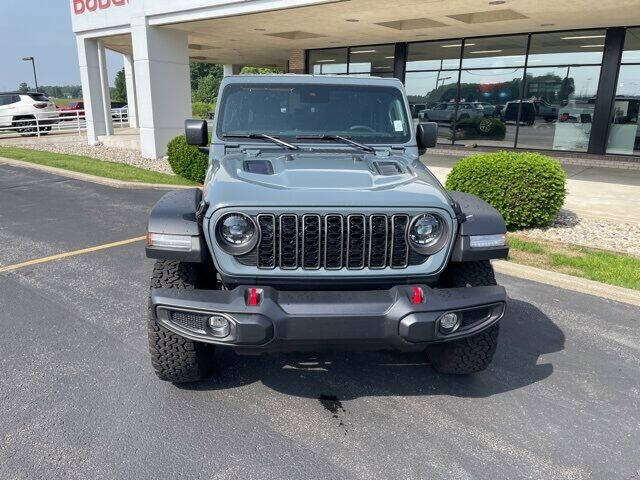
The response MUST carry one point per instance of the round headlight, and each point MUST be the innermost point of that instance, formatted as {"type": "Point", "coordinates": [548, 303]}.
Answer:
{"type": "Point", "coordinates": [427, 233]}
{"type": "Point", "coordinates": [237, 233]}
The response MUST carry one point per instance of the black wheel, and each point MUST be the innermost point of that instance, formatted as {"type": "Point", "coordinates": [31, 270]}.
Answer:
{"type": "Point", "coordinates": [485, 127]}
{"type": "Point", "coordinates": [26, 127]}
{"type": "Point", "coordinates": [175, 358]}
{"type": "Point", "coordinates": [471, 354]}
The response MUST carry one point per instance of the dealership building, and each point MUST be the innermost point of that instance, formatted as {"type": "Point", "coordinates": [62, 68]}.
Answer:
{"type": "Point", "coordinates": [541, 74]}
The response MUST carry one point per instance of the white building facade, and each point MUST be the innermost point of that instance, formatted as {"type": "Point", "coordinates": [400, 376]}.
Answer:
{"type": "Point", "coordinates": [581, 58]}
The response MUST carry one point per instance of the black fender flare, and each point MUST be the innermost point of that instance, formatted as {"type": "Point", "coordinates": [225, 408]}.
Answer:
{"type": "Point", "coordinates": [480, 218]}
{"type": "Point", "coordinates": [175, 214]}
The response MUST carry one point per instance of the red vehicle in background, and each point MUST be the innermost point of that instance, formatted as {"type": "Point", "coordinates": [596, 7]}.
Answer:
{"type": "Point", "coordinates": [71, 109]}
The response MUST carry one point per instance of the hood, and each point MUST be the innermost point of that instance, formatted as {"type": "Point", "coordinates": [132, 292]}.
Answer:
{"type": "Point", "coordinates": [316, 179]}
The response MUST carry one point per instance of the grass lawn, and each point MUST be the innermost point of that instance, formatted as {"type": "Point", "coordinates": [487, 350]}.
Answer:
{"type": "Point", "coordinates": [599, 265]}
{"type": "Point", "coordinates": [92, 166]}
{"type": "Point", "coordinates": [63, 102]}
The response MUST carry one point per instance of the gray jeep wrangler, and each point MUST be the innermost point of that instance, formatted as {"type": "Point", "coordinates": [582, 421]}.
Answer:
{"type": "Point", "coordinates": [319, 227]}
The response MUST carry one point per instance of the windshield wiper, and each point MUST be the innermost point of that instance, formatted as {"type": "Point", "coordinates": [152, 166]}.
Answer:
{"type": "Point", "coordinates": [263, 136]}
{"type": "Point", "coordinates": [336, 138]}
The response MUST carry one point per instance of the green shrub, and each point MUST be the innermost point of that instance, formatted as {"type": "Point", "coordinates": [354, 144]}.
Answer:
{"type": "Point", "coordinates": [201, 109]}
{"type": "Point", "coordinates": [186, 160]}
{"type": "Point", "coordinates": [527, 188]}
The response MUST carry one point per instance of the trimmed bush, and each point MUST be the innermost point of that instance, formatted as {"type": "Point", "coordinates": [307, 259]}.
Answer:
{"type": "Point", "coordinates": [201, 109]}
{"type": "Point", "coordinates": [186, 160]}
{"type": "Point", "coordinates": [527, 188]}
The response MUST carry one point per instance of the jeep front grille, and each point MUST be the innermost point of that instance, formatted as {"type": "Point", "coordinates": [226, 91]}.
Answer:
{"type": "Point", "coordinates": [332, 242]}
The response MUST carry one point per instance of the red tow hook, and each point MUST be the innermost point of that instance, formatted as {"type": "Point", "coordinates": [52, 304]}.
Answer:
{"type": "Point", "coordinates": [417, 295]}
{"type": "Point", "coordinates": [253, 297]}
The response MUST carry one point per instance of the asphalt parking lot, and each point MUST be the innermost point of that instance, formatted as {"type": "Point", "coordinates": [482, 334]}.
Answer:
{"type": "Point", "coordinates": [79, 399]}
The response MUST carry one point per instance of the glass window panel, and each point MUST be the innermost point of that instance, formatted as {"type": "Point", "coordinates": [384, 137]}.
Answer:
{"type": "Point", "coordinates": [495, 52]}
{"type": "Point", "coordinates": [431, 98]}
{"type": "Point", "coordinates": [557, 108]}
{"type": "Point", "coordinates": [631, 53]}
{"type": "Point", "coordinates": [624, 131]}
{"type": "Point", "coordinates": [562, 48]}
{"type": "Point", "coordinates": [372, 59]}
{"type": "Point", "coordinates": [328, 61]}
{"type": "Point", "coordinates": [483, 96]}
{"type": "Point", "coordinates": [434, 55]}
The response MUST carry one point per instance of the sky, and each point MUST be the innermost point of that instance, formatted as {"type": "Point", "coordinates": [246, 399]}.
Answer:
{"type": "Point", "coordinates": [41, 29]}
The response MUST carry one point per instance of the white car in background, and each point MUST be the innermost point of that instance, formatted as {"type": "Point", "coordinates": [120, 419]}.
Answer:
{"type": "Point", "coordinates": [19, 112]}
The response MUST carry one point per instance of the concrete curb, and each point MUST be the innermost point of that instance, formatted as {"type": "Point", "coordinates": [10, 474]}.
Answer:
{"type": "Point", "coordinates": [91, 178]}
{"type": "Point", "coordinates": [568, 282]}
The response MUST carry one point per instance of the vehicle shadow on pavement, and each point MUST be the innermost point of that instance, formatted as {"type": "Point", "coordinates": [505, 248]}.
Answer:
{"type": "Point", "coordinates": [526, 333]}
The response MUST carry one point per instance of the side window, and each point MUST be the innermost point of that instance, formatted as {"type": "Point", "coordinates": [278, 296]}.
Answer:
{"type": "Point", "coordinates": [15, 99]}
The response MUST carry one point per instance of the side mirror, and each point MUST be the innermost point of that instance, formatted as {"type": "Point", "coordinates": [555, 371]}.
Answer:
{"type": "Point", "coordinates": [197, 134]}
{"type": "Point", "coordinates": [426, 136]}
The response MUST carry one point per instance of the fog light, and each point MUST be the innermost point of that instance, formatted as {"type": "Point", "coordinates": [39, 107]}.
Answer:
{"type": "Point", "coordinates": [220, 326]}
{"type": "Point", "coordinates": [449, 322]}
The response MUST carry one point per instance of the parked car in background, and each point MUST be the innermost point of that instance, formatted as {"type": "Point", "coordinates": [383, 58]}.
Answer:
{"type": "Point", "coordinates": [545, 110]}
{"type": "Point", "coordinates": [488, 109]}
{"type": "Point", "coordinates": [72, 109]}
{"type": "Point", "coordinates": [446, 111]}
{"type": "Point", "coordinates": [25, 111]}
{"type": "Point", "coordinates": [416, 108]}
{"type": "Point", "coordinates": [527, 115]}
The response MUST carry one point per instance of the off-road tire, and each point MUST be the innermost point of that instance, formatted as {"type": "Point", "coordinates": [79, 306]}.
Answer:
{"type": "Point", "coordinates": [468, 274]}
{"type": "Point", "coordinates": [471, 354]}
{"type": "Point", "coordinates": [175, 358]}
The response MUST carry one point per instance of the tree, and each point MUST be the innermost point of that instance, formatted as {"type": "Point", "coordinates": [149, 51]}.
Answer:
{"type": "Point", "coordinates": [205, 81]}
{"type": "Point", "coordinates": [23, 88]}
{"type": "Point", "coordinates": [207, 89]}
{"type": "Point", "coordinates": [120, 87]}
{"type": "Point", "coordinates": [567, 88]}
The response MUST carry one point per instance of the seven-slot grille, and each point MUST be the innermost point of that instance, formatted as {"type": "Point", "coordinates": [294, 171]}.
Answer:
{"type": "Point", "coordinates": [332, 242]}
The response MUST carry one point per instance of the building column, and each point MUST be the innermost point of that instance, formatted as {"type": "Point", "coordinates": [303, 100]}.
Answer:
{"type": "Point", "coordinates": [163, 88]}
{"type": "Point", "coordinates": [106, 93]}
{"type": "Point", "coordinates": [606, 95]}
{"type": "Point", "coordinates": [296, 63]}
{"type": "Point", "coordinates": [91, 88]}
{"type": "Point", "coordinates": [229, 69]}
{"type": "Point", "coordinates": [132, 98]}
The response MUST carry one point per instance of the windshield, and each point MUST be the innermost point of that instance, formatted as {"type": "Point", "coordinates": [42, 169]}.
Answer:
{"type": "Point", "coordinates": [368, 114]}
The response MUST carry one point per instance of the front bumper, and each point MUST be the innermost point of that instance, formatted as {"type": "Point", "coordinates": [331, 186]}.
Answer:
{"type": "Point", "coordinates": [312, 320]}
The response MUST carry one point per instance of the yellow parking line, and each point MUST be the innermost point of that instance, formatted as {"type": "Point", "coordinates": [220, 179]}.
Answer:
{"type": "Point", "coordinates": [59, 256]}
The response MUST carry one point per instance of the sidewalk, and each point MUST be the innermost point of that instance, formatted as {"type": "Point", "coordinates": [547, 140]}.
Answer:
{"type": "Point", "coordinates": [592, 192]}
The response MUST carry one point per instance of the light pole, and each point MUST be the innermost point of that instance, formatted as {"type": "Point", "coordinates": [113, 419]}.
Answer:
{"type": "Point", "coordinates": [33, 64]}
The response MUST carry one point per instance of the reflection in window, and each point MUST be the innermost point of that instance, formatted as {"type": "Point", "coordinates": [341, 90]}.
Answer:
{"type": "Point", "coordinates": [563, 48]}
{"type": "Point", "coordinates": [373, 60]}
{"type": "Point", "coordinates": [495, 52]}
{"type": "Point", "coordinates": [432, 98]}
{"type": "Point", "coordinates": [624, 128]}
{"type": "Point", "coordinates": [631, 53]}
{"type": "Point", "coordinates": [328, 61]}
{"type": "Point", "coordinates": [434, 55]}
{"type": "Point", "coordinates": [557, 107]}
{"type": "Point", "coordinates": [485, 97]}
